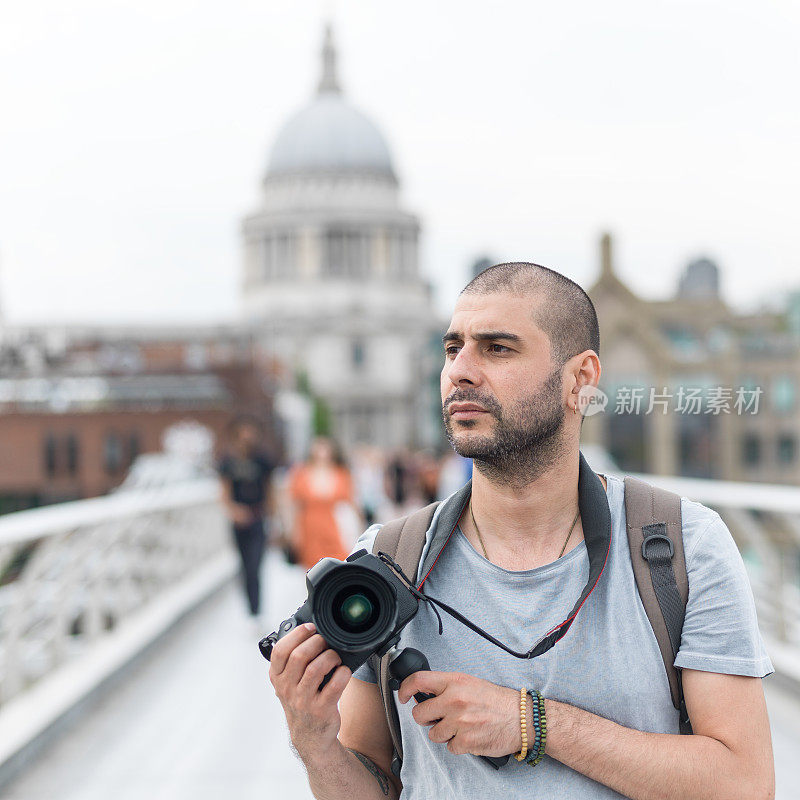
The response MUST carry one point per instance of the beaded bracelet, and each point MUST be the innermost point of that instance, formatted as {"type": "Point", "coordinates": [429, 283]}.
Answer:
{"type": "Point", "coordinates": [536, 753]}
{"type": "Point", "coordinates": [523, 724]}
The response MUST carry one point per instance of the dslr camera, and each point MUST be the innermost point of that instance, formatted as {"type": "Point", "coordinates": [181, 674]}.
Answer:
{"type": "Point", "coordinates": [359, 606]}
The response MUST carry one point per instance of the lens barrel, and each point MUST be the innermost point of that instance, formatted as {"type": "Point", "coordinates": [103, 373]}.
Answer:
{"type": "Point", "coordinates": [354, 607]}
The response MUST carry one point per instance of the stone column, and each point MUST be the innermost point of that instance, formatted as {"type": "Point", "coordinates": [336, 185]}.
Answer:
{"type": "Point", "coordinates": [661, 447]}
{"type": "Point", "coordinates": [309, 254]}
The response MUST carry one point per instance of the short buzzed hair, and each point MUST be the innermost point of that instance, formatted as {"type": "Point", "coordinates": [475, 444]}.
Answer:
{"type": "Point", "coordinates": [567, 315]}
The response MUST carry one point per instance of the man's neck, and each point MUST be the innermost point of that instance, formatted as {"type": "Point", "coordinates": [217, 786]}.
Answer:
{"type": "Point", "coordinates": [532, 519]}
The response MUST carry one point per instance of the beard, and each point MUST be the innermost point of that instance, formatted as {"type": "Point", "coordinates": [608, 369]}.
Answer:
{"type": "Point", "coordinates": [527, 436]}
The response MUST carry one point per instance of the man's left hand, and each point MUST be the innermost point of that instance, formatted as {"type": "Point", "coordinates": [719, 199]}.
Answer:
{"type": "Point", "coordinates": [470, 714]}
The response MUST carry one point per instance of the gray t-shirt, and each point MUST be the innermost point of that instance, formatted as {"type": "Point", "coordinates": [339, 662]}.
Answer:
{"type": "Point", "coordinates": [608, 662]}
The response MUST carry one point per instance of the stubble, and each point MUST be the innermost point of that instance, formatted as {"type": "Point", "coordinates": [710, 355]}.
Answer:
{"type": "Point", "coordinates": [527, 438]}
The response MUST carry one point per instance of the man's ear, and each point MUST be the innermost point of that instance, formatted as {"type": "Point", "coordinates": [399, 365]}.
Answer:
{"type": "Point", "coordinates": [589, 368]}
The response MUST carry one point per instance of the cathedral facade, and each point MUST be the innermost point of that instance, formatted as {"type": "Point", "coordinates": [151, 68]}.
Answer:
{"type": "Point", "coordinates": [331, 274]}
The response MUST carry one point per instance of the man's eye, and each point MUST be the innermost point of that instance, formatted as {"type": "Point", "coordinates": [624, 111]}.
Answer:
{"type": "Point", "coordinates": [498, 348]}
{"type": "Point", "coordinates": [451, 350]}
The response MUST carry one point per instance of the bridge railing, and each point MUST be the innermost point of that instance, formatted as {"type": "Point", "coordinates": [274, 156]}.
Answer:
{"type": "Point", "coordinates": [764, 521]}
{"type": "Point", "coordinates": [71, 573]}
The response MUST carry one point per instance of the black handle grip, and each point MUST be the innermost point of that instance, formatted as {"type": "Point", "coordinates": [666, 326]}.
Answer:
{"type": "Point", "coordinates": [407, 662]}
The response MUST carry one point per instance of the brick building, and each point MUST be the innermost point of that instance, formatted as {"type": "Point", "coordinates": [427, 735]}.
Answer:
{"type": "Point", "coordinates": [77, 406]}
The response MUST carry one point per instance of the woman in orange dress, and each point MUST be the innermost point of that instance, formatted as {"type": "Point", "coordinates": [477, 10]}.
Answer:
{"type": "Point", "coordinates": [316, 487]}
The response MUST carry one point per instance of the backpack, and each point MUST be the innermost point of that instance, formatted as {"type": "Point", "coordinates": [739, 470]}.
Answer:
{"type": "Point", "coordinates": [653, 519]}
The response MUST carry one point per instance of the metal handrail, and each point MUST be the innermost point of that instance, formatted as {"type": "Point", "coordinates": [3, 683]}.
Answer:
{"type": "Point", "coordinates": [37, 523]}
{"type": "Point", "coordinates": [72, 572]}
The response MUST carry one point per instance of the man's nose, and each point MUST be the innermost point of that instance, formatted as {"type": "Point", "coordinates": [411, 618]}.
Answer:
{"type": "Point", "coordinates": [463, 369]}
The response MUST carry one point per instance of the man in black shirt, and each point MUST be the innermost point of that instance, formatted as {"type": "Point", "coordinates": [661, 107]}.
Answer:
{"type": "Point", "coordinates": [245, 474]}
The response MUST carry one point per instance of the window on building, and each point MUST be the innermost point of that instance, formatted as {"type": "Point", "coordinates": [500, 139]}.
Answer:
{"type": "Point", "coordinates": [50, 455]}
{"type": "Point", "coordinates": [685, 342]}
{"type": "Point", "coordinates": [134, 446]}
{"type": "Point", "coordinates": [396, 254]}
{"type": "Point", "coordinates": [73, 454]}
{"type": "Point", "coordinates": [406, 257]}
{"type": "Point", "coordinates": [334, 259]}
{"type": "Point", "coordinates": [285, 251]}
{"type": "Point", "coordinates": [626, 441]}
{"type": "Point", "coordinates": [16, 502]}
{"type": "Point", "coordinates": [267, 258]}
{"type": "Point", "coordinates": [783, 394]}
{"type": "Point", "coordinates": [362, 419]}
{"type": "Point", "coordinates": [112, 453]}
{"type": "Point", "coordinates": [720, 339]}
{"type": "Point", "coordinates": [358, 354]}
{"type": "Point", "coordinates": [195, 356]}
{"type": "Point", "coordinates": [278, 255]}
{"type": "Point", "coordinates": [787, 449]}
{"type": "Point", "coordinates": [697, 445]}
{"type": "Point", "coordinates": [751, 450]}
{"type": "Point", "coordinates": [345, 253]}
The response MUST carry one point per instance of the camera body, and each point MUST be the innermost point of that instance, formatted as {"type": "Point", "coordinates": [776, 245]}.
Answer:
{"type": "Point", "coordinates": [359, 606]}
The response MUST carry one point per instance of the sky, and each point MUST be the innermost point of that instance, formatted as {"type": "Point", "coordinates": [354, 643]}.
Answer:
{"type": "Point", "coordinates": [134, 135]}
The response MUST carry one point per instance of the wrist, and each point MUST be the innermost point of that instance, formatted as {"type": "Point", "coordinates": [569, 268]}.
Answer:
{"type": "Point", "coordinates": [515, 726]}
{"type": "Point", "coordinates": [322, 757]}
{"type": "Point", "coordinates": [514, 741]}
{"type": "Point", "coordinates": [559, 726]}
{"type": "Point", "coordinates": [536, 749]}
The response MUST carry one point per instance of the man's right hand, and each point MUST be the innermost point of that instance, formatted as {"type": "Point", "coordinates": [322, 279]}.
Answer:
{"type": "Point", "coordinates": [300, 661]}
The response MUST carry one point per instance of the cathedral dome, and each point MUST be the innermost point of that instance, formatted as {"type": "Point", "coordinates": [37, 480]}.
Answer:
{"type": "Point", "coordinates": [329, 135]}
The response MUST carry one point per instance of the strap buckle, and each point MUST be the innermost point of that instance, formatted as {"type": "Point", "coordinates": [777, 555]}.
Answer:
{"type": "Point", "coordinates": [653, 535]}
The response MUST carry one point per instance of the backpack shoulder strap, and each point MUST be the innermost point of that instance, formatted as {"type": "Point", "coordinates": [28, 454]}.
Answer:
{"type": "Point", "coordinates": [655, 536]}
{"type": "Point", "coordinates": [403, 539]}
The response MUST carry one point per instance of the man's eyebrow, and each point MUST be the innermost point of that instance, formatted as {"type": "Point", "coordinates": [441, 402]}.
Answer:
{"type": "Point", "coordinates": [483, 336]}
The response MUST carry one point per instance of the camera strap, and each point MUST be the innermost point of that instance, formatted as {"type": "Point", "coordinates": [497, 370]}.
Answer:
{"type": "Point", "coordinates": [596, 521]}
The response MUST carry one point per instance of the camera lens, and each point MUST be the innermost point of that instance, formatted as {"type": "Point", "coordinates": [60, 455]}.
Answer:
{"type": "Point", "coordinates": [356, 610]}
{"type": "Point", "coordinates": [354, 607]}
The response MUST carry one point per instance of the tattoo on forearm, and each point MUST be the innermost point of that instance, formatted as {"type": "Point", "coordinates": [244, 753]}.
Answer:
{"type": "Point", "coordinates": [377, 772]}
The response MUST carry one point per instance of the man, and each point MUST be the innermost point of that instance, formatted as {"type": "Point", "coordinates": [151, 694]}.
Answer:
{"type": "Point", "coordinates": [245, 478]}
{"type": "Point", "coordinates": [522, 345]}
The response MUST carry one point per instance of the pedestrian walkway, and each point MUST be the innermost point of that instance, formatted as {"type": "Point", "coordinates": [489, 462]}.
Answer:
{"type": "Point", "coordinates": [198, 720]}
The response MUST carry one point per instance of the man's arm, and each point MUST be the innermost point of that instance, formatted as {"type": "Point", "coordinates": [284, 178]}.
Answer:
{"type": "Point", "coordinates": [729, 756]}
{"type": "Point", "coordinates": [270, 505]}
{"type": "Point", "coordinates": [344, 748]}
{"type": "Point", "coordinates": [235, 512]}
{"type": "Point", "coordinates": [364, 734]}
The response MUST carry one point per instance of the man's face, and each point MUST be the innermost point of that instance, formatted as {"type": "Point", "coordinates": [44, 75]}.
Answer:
{"type": "Point", "coordinates": [502, 398]}
{"type": "Point", "coordinates": [247, 435]}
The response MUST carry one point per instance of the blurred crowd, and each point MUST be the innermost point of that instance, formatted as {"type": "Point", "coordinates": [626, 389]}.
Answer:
{"type": "Point", "coordinates": [320, 506]}
{"type": "Point", "coordinates": [324, 504]}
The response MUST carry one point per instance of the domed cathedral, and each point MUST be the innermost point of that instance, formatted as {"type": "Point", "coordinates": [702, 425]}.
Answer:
{"type": "Point", "coordinates": [331, 272]}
